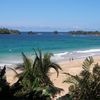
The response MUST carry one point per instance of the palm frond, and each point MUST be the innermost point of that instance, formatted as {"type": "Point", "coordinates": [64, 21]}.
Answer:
{"type": "Point", "coordinates": [72, 79]}
{"type": "Point", "coordinates": [76, 77]}
{"type": "Point", "coordinates": [87, 63]}
{"type": "Point", "coordinates": [52, 90]}
{"type": "Point", "coordinates": [2, 73]}
{"type": "Point", "coordinates": [13, 70]}
{"type": "Point", "coordinates": [86, 85]}
{"type": "Point", "coordinates": [27, 62]}
{"type": "Point", "coordinates": [56, 67]}
{"type": "Point", "coordinates": [96, 69]}
{"type": "Point", "coordinates": [35, 74]}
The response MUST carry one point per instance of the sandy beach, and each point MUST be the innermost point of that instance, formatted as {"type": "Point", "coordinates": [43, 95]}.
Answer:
{"type": "Point", "coordinates": [73, 67]}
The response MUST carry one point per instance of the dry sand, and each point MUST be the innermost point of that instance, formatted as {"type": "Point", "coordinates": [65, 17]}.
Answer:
{"type": "Point", "coordinates": [73, 67]}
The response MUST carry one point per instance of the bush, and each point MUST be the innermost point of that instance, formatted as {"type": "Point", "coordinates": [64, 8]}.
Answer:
{"type": "Point", "coordinates": [85, 86]}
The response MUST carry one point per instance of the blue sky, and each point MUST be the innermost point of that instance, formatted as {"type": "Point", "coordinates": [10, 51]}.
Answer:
{"type": "Point", "coordinates": [50, 14]}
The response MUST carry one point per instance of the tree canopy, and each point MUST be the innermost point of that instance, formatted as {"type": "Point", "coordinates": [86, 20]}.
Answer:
{"type": "Point", "coordinates": [8, 31]}
{"type": "Point", "coordinates": [84, 32]}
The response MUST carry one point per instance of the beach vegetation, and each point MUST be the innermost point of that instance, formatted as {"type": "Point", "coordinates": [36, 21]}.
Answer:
{"type": "Point", "coordinates": [7, 91]}
{"type": "Point", "coordinates": [33, 82]}
{"type": "Point", "coordinates": [86, 85]}
{"type": "Point", "coordinates": [35, 79]}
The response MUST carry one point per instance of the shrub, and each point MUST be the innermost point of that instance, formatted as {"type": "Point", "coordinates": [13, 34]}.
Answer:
{"type": "Point", "coordinates": [85, 86]}
{"type": "Point", "coordinates": [35, 80]}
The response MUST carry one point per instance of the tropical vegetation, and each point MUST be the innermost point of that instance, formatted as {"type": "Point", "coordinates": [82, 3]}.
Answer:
{"type": "Point", "coordinates": [85, 33]}
{"type": "Point", "coordinates": [34, 82]}
{"type": "Point", "coordinates": [35, 77]}
{"type": "Point", "coordinates": [7, 91]}
{"type": "Point", "coordinates": [8, 31]}
{"type": "Point", "coordinates": [85, 86]}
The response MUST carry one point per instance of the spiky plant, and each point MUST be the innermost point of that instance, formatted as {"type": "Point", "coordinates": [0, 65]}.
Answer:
{"type": "Point", "coordinates": [7, 91]}
{"type": "Point", "coordinates": [35, 74]}
{"type": "Point", "coordinates": [85, 86]}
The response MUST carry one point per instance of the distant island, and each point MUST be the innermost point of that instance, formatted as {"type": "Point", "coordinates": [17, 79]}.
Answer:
{"type": "Point", "coordinates": [32, 33]}
{"type": "Point", "coordinates": [55, 32]}
{"type": "Point", "coordinates": [8, 31]}
{"type": "Point", "coordinates": [97, 33]}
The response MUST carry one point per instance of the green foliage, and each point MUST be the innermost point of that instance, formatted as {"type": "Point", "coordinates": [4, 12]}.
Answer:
{"type": "Point", "coordinates": [34, 82]}
{"type": "Point", "coordinates": [8, 31]}
{"type": "Point", "coordinates": [7, 91]}
{"type": "Point", "coordinates": [84, 32]}
{"type": "Point", "coordinates": [85, 86]}
{"type": "Point", "coordinates": [87, 63]}
{"type": "Point", "coordinates": [35, 75]}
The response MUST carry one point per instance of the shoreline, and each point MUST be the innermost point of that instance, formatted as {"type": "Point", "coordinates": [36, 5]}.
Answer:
{"type": "Point", "coordinates": [57, 57]}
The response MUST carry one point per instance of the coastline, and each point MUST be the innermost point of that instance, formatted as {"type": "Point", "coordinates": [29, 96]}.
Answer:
{"type": "Point", "coordinates": [57, 56]}
{"type": "Point", "coordinates": [63, 46]}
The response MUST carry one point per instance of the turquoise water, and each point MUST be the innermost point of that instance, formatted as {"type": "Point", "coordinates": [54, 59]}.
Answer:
{"type": "Point", "coordinates": [62, 44]}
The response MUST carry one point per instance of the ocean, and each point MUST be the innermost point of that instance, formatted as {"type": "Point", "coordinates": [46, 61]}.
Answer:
{"type": "Point", "coordinates": [63, 45]}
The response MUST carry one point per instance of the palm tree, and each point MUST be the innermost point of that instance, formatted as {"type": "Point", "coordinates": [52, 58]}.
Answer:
{"type": "Point", "coordinates": [35, 74]}
{"type": "Point", "coordinates": [85, 86]}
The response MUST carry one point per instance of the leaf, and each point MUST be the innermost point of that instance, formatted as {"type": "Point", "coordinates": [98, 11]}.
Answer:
{"type": "Point", "coordinates": [27, 63]}
{"type": "Point", "coordinates": [56, 67]}
{"type": "Point", "coordinates": [87, 63]}
{"type": "Point", "coordinates": [13, 70]}
{"type": "Point", "coordinates": [2, 73]}
{"type": "Point", "coordinates": [52, 90]}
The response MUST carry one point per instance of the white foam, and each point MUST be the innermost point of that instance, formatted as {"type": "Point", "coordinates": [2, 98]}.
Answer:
{"type": "Point", "coordinates": [75, 54]}
{"type": "Point", "coordinates": [61, 54]}
{"type": "Point", "coordinates": [89, 51]}
{"type": "Point", "coordinates": [1, 65]}
{"type": "Point", "coordinates": [57, 56]}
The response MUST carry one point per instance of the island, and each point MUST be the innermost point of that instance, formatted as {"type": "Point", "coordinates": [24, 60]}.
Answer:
{"type": "Point", "coordinates": [55, 32]}
{"type": "Point", "coordinates": [32, 33]}
{"type": "Point", "coordinates": [96, 33]}
{"type": "Point", "coordinates": [9, 31]}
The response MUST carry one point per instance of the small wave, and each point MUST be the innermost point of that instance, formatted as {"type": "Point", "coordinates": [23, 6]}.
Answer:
{"type": "Point", "coordinates": [75, 54]}
{"type": "Point", "coordinates": [61, 54]}
{"type": "Point", "coordinates": [89, 51]}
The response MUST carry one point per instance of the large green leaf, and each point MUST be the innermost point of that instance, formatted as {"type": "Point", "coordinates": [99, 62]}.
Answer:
{"type": "Point", "coordinates": [87, 63]}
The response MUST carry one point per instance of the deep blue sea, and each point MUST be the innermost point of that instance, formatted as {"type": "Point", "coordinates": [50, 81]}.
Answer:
{"type": "Point", "coordinates": [62, 45]}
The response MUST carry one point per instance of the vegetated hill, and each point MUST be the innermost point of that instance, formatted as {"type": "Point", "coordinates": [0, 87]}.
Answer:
{"type": "Point", "coordinates": [85, 33]}
{"type": "Point", "coordinates": [55, 32]}
{"type": "Point", "coordinates": [32, 33]}
{"type": "Point", "coordinates": [8, 31]}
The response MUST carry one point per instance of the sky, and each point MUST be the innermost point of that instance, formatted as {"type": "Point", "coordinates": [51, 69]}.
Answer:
{"type": "Point", "coordinates": [41, 15]}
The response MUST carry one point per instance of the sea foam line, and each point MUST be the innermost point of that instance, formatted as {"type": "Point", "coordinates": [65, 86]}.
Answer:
{"type": "Point", "coordinates": [89, 51]}
{"type": "Point", "coordinates": [75, 54]}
